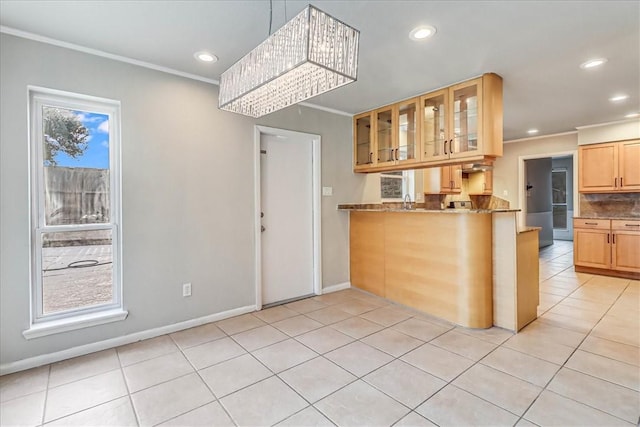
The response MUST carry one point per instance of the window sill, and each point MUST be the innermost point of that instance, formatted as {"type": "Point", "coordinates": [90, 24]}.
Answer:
{"type": "Point", "coordinates": [77, 322]}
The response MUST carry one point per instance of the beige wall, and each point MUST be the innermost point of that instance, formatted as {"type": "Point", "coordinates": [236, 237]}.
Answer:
{"type": "Point", "coordinates": [187, 192]}
{"type": "Point", "coordinates": [619, 131]}
{"type": "Point", "coordinates": [505, 173]}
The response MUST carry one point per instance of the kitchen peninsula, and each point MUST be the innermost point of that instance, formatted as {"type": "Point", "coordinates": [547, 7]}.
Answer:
{"type": "Point", "coordinates": [471, 267]}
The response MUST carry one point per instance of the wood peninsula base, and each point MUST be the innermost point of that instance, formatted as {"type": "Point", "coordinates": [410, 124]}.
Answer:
{"type": "Point", "coordinates": [442, 263]}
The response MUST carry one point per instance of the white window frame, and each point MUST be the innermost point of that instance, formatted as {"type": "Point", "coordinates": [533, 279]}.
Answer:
{"type": "Point", "coordinates": [46, 324]}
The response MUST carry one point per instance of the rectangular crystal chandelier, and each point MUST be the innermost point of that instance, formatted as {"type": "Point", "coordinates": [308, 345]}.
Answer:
{"type": "Point", "coordinates": [311, 54]}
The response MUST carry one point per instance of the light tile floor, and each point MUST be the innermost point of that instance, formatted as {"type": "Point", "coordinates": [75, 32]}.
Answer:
{"type": "Point", "coordinates": [352, 359]}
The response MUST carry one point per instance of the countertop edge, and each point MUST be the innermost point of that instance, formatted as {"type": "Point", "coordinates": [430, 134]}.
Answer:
{"type": "Point", "coordinates": [420, 210]}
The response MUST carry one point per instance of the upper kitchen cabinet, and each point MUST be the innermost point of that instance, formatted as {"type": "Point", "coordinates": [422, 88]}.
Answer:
{"type": "Point", "coordinates": [363, 149]}
{"type": "Point", "coordinates": [443, 180]}
{"type": "Point", "coordinates": [396, 135]}
{"type": "Point", "coordinates": [408, 141]}
{"type": "Point", "coordinates": [609, 167]}
{"type": "Point", "coordinates": [435, 125]}
{"type": "Point", "coordinates": [464, 120]}
{"type": "Point", "coordinates": [451, 125]}
{"type": "Point", "coordinates": [385, 125]}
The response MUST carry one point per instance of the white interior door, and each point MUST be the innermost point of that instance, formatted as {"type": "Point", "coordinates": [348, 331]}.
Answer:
{"type": "Point", "coordinates": [286, 193]}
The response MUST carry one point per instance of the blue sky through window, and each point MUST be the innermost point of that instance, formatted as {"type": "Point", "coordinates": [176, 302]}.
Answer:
{"type": "Point", "coordinates": [97, 153]}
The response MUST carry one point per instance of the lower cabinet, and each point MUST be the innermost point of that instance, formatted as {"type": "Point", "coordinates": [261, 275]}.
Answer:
{"type": "Point", "coordinates": [625, 245]}
{"type": "Point", "coordinates": [610, 246]}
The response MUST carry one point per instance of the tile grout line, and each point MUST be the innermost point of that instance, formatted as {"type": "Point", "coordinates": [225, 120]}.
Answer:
{"type": "Point", "coordinates": [126, 384]}
{"type": "Point", "coordinates": [545, 388]}
{"type": "Point", "coordinates": [46, 395]}
{"type": "Point", "coordinates": [197, 372]}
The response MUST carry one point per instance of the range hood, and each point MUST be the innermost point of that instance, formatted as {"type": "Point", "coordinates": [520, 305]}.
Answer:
{"type": "Point", "coordinates": [477, 167]}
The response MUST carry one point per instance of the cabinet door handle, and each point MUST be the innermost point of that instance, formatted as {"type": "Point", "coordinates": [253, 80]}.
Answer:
{"type": "Point", "coordinates": [397, 154]}
{"type": "Point", "coordinates": [614, 238]}
{"type": "Point", "coordinates": [445, 147]}
{"type": "Point", "coordinates": [621, 182]}
{"type": "Point", "coordinates": [615, 182]}
{"type": "Point", "coordinates": [590, 223]}
{"type": "Point", "coordinates": [607, 237]}
{"type": "Point", "coordinates": [451, 146]}
{"type": "Point", "coordinates": [632, 225]}
{"type": "Point", "coordinates": [370, 158]}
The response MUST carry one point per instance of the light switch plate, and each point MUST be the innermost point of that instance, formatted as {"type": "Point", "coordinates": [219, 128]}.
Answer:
{"type": "Point", "coordinates": [327, 191]}
{"type": "Point", "coordinates": [505, 193]}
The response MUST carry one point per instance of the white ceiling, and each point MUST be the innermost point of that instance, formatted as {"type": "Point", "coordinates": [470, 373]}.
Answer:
{"type": "Point", "coordinates": [536, 46]}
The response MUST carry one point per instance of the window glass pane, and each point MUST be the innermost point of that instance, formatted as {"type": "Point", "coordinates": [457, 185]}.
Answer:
{"type": "Point", "coordinates": [76, 166]}
{"type": "Point", "coordinates": [560, 216]}
{"type": "Point", "coordinates": [559, 186]}
{"type": "Point", "coordinates": [391, 187]}
{"type": "Point", "coordinates": [77, 270]}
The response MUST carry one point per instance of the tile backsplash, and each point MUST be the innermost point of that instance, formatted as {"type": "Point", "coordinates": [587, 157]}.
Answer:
{"type": "Point", "coordinates": [610, 205]}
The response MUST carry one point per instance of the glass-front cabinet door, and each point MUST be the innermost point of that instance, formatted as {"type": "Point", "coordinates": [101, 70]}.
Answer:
{"type": "Point", "coordinates": [465, 99]}
{"type": "Point", "coordinates": [363, 135]}
{"type": "Point", "coordinates": [434, 125]}
{"type": "Point", "coordinates": [408, 148]}
{"type": "Point", "coordinates": [385, 137]}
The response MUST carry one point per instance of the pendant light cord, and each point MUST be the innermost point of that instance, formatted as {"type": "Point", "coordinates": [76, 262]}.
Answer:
{"type": "Point", "coordinates": [270, 15]}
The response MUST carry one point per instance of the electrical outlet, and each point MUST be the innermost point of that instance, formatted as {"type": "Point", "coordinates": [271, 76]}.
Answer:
{"type": "Point", "coordinates": [505, 193]}
{"type": "Point", "coordinates": [186, 290]}
{"type": "Point", "coordinates": [327, 191]}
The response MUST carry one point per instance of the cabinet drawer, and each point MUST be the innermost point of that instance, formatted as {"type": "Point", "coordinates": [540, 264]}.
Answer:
{"type": "Point", "coordinates": [627, 225]}
{"type": "Point", "coordinates": [598, 224]}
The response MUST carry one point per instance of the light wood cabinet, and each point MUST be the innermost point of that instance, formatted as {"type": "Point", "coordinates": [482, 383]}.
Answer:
{"type": "Point", "coordinates": [625, 245]}
{"type": "Point", "coordinates": [461, 122]}
{"type": "Point", "coordinates": [408, 132]}
{"type": "Point", "coordinates": [464, 120]}
{"type": "Point", "coordinates": [363, 149]}
{"type": "Point", "coordinates": [481, 183]}
{"type": "Point", "coordinates": [609, 167]}
{"type": "Point", "coordinates": [385, 136]}
{"type": "Point", "coordinates": [610, 246]}
{"type": "Point", "coordinates": [443, 180]}
{"type": "Point", "coordinates": [629, 165]}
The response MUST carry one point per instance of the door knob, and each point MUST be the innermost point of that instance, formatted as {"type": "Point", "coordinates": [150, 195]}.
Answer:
{"type": "Point", "coordinates": [262, 229]}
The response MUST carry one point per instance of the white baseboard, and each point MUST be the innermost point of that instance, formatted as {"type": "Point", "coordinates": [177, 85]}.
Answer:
{"type": "Point", "coordinates": [335, 288]}
{"type": "Point", "coordinates": [44, 359]}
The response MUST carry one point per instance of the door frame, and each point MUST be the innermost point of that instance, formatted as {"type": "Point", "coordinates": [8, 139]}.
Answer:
{"type": "Point", "coordinates": [316, 204]}
{"type": "Point", "coordinates": [522, 198]}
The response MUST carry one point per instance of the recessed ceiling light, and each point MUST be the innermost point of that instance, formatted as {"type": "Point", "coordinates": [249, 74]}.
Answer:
{"type": "Point", "coordinates": [632, 115]}
{"type": "Point", "coordinates": [532, 131]}
{"type": "Point", "coordinates": [205, 56]}
{"type": "Point", "coordinates": [593, 63]}
{"type": "Point", "coordinates": [617, 98]}
{"type": "Point", "coordinates": [422, 32]}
